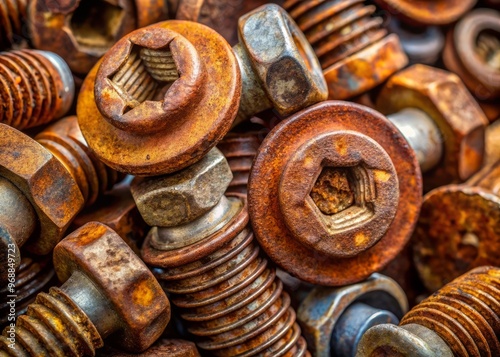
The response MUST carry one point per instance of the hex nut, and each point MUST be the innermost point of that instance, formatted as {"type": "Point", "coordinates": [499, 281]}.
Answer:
{"type": "Point", "coordinates": [444, 97]}
{"type": "Point", "coordinates": [174, 199]}
{"type": "Point", "coordinates": [282, 58]}
{"type": "Point", "coordinates": [322, 308]}
{"type": "Point", "coordinates": [46, 183]}
{"type": "Point", "coordinates": [138, 299]}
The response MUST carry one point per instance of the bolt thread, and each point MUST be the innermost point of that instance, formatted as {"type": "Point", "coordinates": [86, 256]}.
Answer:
{"type": "Point", "coordinates": [240, 150]}
{"type": "Point", "coordinates": [12, 15]}
{"type": "Point", "coordinates": [65, 140]}
{"type": "Point", "coordinates": [53, 326]}
{"type": "Point", "coordinates": [160, 64]}
{"type": "Point", "coordinates": [32, 89]}
{"type": "Point", "coordinates": [234, 302]}
{"type": "Point", "coordinates": [32, 277]}
{"type": "Point", "coordinates": [465, 313]}
{"type": "Point", "coordinates": [336, 29]}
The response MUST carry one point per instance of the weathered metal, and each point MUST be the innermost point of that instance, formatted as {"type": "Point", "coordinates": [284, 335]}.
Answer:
{"type": "Point", "coordinates": [461, 319]}
{"type": "Point", "coordinates": [36, 87]}
{"type": "Point", "coordinates": [442, 97]}
{"type": "Point", "coordinates": [334, 319]}
{"type": "Point", "coordinates": [240, 150]}
{"type": "Point", "coordinates": [12, 17]}
{"type": "Point", "coordinates": [161, 122]}
{"type": "Point", "coordinates": [107, 291]}
{"type": "Point", "coordinates": [472, 51]}
{"type": "Point", "coordinates": [423, 12]}
{"type": "Point", "coordinates": [355, 52]}
{"type": "Point", "coordinates": [348, 142]}
{"type": "Point", "coordinates": [278, 66]}
{"type": "Point", "coordinates": [215, 273]}
{"type": "Point", "coordinates": [82, 31]}
{"type": "Point", "coordinates": [458, 228]}
{"type": "Point", "coordinates": [492, 143]}
{"type": "Point", "coordinates": [164, 347]}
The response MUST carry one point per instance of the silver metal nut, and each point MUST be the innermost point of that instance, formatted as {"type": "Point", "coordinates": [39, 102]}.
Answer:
{"type": "Point", "coordinates": [171, 200]}
{"type": "Point", "coordinates": [282, 58]}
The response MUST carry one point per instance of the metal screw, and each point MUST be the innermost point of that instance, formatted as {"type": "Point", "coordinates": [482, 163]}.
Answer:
{"type": "Point", "coordinates": [210, 264]}
{"type": "Point", "coordinates": [351, 45]}
{"type": "Point", "coordinates": [107, 290]}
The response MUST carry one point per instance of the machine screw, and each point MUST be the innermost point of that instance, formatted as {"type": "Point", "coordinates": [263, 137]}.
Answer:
{"type": "Point", "coordinates": [325, 195]}
{"type": "Point", "coordinates": [457, 229]}
{"type": "Point", "coordinates": [107, 291]}
{"type": "Point", "coordinates": [461, 319]}
{"type": "Point", "coordinates": [335, 319]}
{"type": "Point", "coordinates": [211, 266]}
{"type": "Point", "coordinates": [36, 87]}
{"type": "Point", "coordinates": [440, 119]}
{"type": "Point", "coordinates": [156, 120]}
{"type": "Point", "coordinates": [472, 51]}
{"type": "Point", "coordinates": [355, 52]}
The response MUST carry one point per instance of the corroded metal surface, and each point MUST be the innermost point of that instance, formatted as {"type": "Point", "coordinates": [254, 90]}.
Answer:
{"type": "Point", "coordinates": [74, 28]}
{"type": "Point", "coordinates": [461, 319]}
{"type": "Point", "coordinates": [12, 17]}
{"type": "Point", "coordinates": [352, 47]}
{"type": "Point", "coordinates": [240, 150]}
{"type": "Point", "coordinates": [492, 143]}
{"type": "Point", "coordinates": [278, 66]}
{"type": "Point", "coordinates": [321, 312]}
{"type": "Point", "coordinates": [387, 194]}
{"type": "Point", "coordinates": [424, 12]}
{"type": "Point", "coordinates": [189, 116]}
{"type": "Point", "coordinates": [44, 181]}
{"type": "Point", "coordinates": [444, 98]}
{"type": "Point", "coordinates": [472, 51]}
{"type": "Point", "coordinates": [107, 290]}
{"type": "Point", "coordinates": [164, 347]}
{"type": "Point", "coordinates": [458, 228]}
{"type": "Point", "coordinates": [36, 87]}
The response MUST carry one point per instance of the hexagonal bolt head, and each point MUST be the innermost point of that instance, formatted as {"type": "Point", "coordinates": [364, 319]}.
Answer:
{"type": "Point", "coordinates": [171, 200]}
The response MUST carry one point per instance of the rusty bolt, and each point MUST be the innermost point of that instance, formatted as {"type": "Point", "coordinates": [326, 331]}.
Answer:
{"type": "Point", "coordinates": [354, 50]}
{"type": "Point", "coordinates": [155, 120]}
{"type": "Point", "coordinates": [12, 18]}
{"type": "Point", "coordinates": [107, 291]}
{"type": "Point", "coordinates": [318, 159]}
{"type": "Point", "coordinates": [461, 320]}
{"type": "Point", "coordinates": [227, 295]}
{"type": "Point", "coordinates": [492, 143]}
{"type": "Point", "coordinates": [36, 87]}
{"type": "Point", "coordinates": [81, 31]}
{"type": "Point", "coordinates": [116, 209]}
{"type": "Point", "coordinates": [447, 119]}
{"type": "Point", "coordinates": [278, 66]}
{"type": "Point", "coordinates": [334, 319]}
{"type": "Point", "coordinates": [472, 51]}
{"type": "Point", "coordinates": [240, 150]}
{"type": "Point", "coordinates": [164, 347]}
{"type": "Point", "coordinates": [435, 12]}
{"type": "Point", "coordinates": [33, 276]}
{"type": "Point", "coordinates": [458, 228]}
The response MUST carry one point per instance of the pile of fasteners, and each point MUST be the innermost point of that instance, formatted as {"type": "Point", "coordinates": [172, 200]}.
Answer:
{"type": "Point", "coordinates": [250, 178]}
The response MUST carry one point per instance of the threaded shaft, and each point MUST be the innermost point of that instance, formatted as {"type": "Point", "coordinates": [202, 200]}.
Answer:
{"type": "Point", "coordinates": [465, 313]}
{"type": "Point", "coordinates": [336, 28]}
{"type": "Point", "coordinates": [12, 16]}
{"type": "Point", "coordinates": [36, 87]}
{"type": "Point", "coordinates": [53, 326]}
{"type": "Point", "coordinates": [65, 140]}
{"type": "Point", "coordinates": [32, 277]}
{"type": "Point", "coordinates": [233, 301]}
{"type": "Point", "coordinates": [240, 150]}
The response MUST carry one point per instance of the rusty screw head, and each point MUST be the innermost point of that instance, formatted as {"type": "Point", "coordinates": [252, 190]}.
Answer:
{"type": "Point", "coordinates": [321, 311]}
{"type": "Point", "coordinates": [442, 96]}
{"type": "Point", "coordinates": [142, 307]}
{"type": "Point", "coordinates": [473, 52]}
{"type": "Point", "coordinates": [163, 97]}
{"type": "Point", "coordinates": [274, 49]}
{"type": "Point", "coordinates": [43, 179]}
{"type": "Point", "coordinates": [81, 31]}
{"type": "Point", "coordinates": [183, 196]}
{"type": "Point", "coordinates": [293, 213]}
